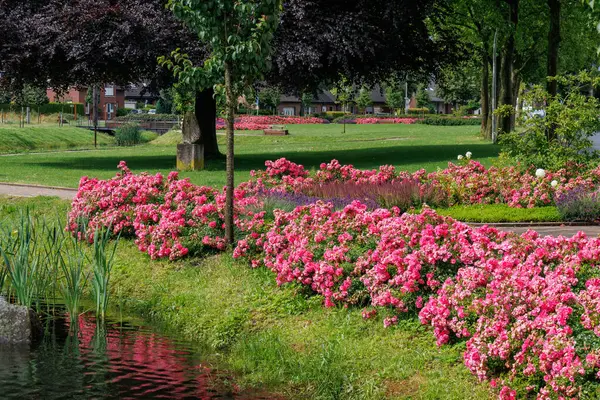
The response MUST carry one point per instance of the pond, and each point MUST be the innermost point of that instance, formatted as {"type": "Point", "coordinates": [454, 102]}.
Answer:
{"type": "Point", "coordinates": [110, 360]}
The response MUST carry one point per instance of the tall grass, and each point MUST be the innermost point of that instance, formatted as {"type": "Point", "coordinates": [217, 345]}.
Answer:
{"type": "Point", "coordinates": [102, 263]}
{"type": "Point", "coordinates": [22, 262]}
{"type": "Point", "coordinates": [128, 135]}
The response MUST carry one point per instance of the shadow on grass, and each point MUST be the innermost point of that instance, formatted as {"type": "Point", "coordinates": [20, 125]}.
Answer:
{"type": "Point", "coordinates": [361, 158]}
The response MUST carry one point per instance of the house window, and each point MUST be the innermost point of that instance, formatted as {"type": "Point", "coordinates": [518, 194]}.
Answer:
{"type": "Point", "coordinates": [289, 111]}
{"type": "Point", "coordinates": [109, 90]}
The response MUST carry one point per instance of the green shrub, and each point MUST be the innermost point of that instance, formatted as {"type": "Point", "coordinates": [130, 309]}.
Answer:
{"type": "Point", "coordinates": [148, 117]}
{"type": "Point", "coordinates": [423, 110]}
{"type": "Point", "coordinates": [563, 135]}
{"type": "Point", "coordinates": [128, 135]}
{"type": "Point", "coordinates": [450, 121]}
{"type": "Point", "coordinates": [121, 112]}
{"type": "Point", "coordinates": [50, 108]}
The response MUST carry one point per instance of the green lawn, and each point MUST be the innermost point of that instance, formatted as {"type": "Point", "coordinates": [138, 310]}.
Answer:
{"type": "Point", "coordinates": [48, 137]}
{"type": "Point", "coordinates": [492, 213]}
{"type": "Point", "coordinates": [408, 147]}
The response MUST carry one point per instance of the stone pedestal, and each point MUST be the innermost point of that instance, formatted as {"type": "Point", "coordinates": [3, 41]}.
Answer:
{"type": "Point", "coordinates": [190, 157]}
{"type": "Point", "coordinates": [18, 324]}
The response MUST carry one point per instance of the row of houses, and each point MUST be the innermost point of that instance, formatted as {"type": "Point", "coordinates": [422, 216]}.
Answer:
{"type": "Point", "coordinates": [114, 97]}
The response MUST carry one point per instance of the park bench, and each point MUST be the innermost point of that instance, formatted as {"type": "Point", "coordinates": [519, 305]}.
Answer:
{"type": "Point", "coordinates": [276, 130]}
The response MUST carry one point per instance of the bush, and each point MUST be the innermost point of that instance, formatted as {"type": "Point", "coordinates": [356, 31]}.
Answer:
{"type": "Point", "coordinates": [450, 121]}
{"type": "Point", "coordinates": [121, 112]}
{"type": "Point", "coordinates": [579, 204]}
{"type": "Point", "coordinates": [128, 135]}
{"type": "Point", "coordinates": [423, 110]}
{"type": "Point", "coordinates": [148, 136]}
{"type": "Point", "coordinates": [148, 117]}
{"type": "Point", "coordinates": [50, 108]}
{"type": "Point", "coordinates": [563, 135]}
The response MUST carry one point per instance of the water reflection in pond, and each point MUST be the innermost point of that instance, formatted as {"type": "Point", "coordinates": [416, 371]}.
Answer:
{"type": "Point", "coordinates": [111, 360]}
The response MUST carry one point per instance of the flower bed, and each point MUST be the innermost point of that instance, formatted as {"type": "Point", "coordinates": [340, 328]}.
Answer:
{"type": "Point", "coordinates": [468, 182]}
{"type": "Point", "coordinates": [527, 307]}
{"type": "Point", "coordinates": [386, 120]}
{"type": "Point", "coordinates": [261, 122]}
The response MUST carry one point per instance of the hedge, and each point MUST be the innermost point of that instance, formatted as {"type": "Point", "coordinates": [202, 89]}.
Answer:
{"type": "Point", "coordinates": [148, 117]}
{"type": "Point", "coordinates": [50, 108]}
{"type": "Point", "coordinates": [449, 121]}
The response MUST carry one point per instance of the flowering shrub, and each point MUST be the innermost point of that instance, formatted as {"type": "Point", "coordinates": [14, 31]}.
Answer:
{"type": "Point", "coordinates": [168, 218]}
{"type": "Point", "coordinates": [386, 120]}
{"type": "Point", "coordinates": [261, 122]}
{"type": "Point", "coordinates": [468, 182]}
{"type": "Point", "coordinates": [528, 307]}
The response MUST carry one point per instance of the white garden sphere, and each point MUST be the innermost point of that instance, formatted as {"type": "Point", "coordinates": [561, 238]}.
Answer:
{"type": "Point", "coordinates": [468, 155]}
{"type": "Point", "coordinates": [540, 173]}
{"type": "Point", "coordinates": [554, 183]}
{"type": "Point", "coordinates": [460, 157]}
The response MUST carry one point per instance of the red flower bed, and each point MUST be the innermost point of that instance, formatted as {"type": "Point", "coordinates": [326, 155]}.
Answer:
{"type": "Point", "coordinates": [260, 122]}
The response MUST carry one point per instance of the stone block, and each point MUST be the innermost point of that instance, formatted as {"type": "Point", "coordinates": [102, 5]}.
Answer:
{"type": "Point", "coordinates": [18, 324]}
{"type": "Point", "coordinates": [190, 157]}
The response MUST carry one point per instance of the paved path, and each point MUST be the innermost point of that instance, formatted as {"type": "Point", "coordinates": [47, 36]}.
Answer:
{"type": "Point", "coordinates": [9, 189]}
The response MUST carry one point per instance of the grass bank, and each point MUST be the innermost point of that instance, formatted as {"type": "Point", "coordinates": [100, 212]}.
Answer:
{"type": "Point", "coordinates": [48, 137]}
{"type": "Point", "coordinates": [279, 339]}
{"type": "Point", "coordinates": [408, 147]}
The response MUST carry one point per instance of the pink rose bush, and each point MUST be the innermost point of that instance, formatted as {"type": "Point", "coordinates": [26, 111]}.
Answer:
{"type": "Point", "coordinates": [528, 307]}
{"type": "Point", "coordinates": [168, 218]}
{"type": "Point", "coordinates": [468, 183]}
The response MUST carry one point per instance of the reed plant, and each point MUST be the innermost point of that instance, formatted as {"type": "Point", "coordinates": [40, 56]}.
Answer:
{"type": "Point", "coordinates": [72, 262]}
{"type": "Point", "coordinates": [102, 263]}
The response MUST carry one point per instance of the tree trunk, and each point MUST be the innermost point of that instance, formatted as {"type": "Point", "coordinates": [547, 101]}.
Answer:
{"type": "Point", "coordinates": [507, 96]}
{"type": "Point", "coordinates": [230, 105]}
{"type": "Point", "coordinates": [206, 115]}
{"type": "Point", "coordinates": [486, 130]}
{"type": "Point", "coordinates": [553, 45]}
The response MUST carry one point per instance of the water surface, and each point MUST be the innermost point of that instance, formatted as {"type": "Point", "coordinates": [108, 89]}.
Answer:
{"type": "Point", "coordinates": [114, 360]}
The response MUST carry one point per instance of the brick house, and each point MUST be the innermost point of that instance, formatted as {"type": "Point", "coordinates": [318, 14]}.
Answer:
{"type": "Point", "coordinates": [326, 101]}
{"type": "Point", "coordinates": [112, 97]}
{"type": "Point", "coordinates": [439, 105]}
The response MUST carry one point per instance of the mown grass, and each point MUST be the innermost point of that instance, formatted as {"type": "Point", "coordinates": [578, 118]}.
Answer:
{"type": "Point", "coordinates": [48, 137]}
{"type": "Point", "coordinates": [408, 147]}
{"type": "Point", "coordinates": [279, 339]}
{"type": "Point", "coordinates": [493, 213]}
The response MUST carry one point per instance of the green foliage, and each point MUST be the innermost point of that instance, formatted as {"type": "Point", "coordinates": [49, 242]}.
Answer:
{"type": "Point", "coordinates": [363, 100]}
{"type": "Point", "coordinates": [394, 94]}
{"type": "Point", "coordinates": [102, 264]}
{"type": "Point", "coordinates": [48, 109]}
{"type": "Point", "coordinates": [148, 117]}
{"type": "Point", "coordinates": [128, 135]}
{"type": "Point", "coordinates": [460, 83]}
{"type": "Point", "coordinates": [165, 103]}
{"type": "Point", "coordinates": [416, 111]}
{"type": "Point", "coordinates": [306, 99]}
{"type": "Point", "coordinates": [449, 121]}
{"type": "Point", "coordinates": [423, 99]}
{"type": "Point", "coordinates": [343, 92]}
{"type": "Point", "coordinates": [563, 135]}
{"type": "Point", "coordinates": [269, 98]}
{"type": "Point", "coordinates": [121, 112]}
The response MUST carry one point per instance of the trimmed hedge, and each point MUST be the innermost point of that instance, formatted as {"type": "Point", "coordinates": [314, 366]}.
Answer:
{"type": "Point", "coordinates": [449, 121]}
{"type": "Point", "coordinates": [148, 117]}
{"type": "Point", "coordinates": [50, 108]}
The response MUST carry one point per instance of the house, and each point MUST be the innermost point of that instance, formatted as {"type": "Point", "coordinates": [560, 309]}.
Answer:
{"type": "Point", "coordinates": [325, 101]}
{"type": "Point", "coordinates": [112, 97]}
{"type": "Point", "coordinates": [139, 94]}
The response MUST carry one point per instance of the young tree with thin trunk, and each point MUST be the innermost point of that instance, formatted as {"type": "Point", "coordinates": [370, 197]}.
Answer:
{"type": "Point", "coordinates": [238, 34]}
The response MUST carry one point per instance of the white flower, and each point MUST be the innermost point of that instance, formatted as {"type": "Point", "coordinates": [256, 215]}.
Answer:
{"type": "Point", "coordinates": [468, 155]}
{"type": "Point", "coordinates": [554, 183]}
{"type": "Point", "coordinates": [460, 157]}
{"type": "Point", "coordinates": [540, 173]}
